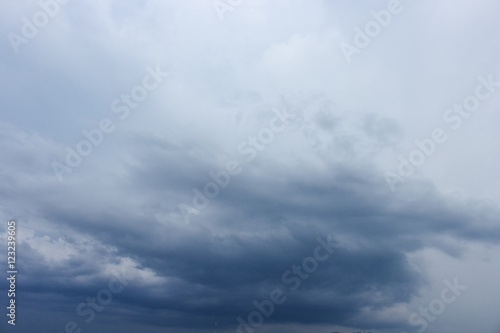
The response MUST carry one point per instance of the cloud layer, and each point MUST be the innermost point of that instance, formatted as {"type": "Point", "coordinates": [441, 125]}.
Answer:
{"type": "Point", "coordinates": [115, 220]}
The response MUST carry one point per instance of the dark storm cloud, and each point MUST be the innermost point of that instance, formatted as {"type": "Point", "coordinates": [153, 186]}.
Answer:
{"type": "Point", "coordinates": [237, 250]}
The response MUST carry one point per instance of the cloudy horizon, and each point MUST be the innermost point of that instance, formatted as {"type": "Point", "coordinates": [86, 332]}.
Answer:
{"type": "Point", "coordinates": [251, 166]}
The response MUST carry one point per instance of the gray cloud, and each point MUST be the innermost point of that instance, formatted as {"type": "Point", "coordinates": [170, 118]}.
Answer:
{"type": "Point", "coordinates": [323, 175]}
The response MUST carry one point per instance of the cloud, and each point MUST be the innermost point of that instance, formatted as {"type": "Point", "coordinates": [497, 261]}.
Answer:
{"type": "Point", "coordinates": [236, 251]}
{"type": "Point", "coordinates": [322, 176]}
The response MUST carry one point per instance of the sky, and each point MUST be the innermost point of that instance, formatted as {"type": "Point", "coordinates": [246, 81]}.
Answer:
{"type": "Point", "coordinates": [250, 166]}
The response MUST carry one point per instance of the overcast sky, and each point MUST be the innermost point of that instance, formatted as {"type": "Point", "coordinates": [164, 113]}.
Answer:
{"type": "Point", "coordinates": [275, 166]}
